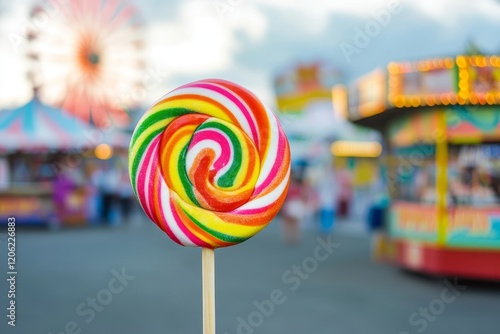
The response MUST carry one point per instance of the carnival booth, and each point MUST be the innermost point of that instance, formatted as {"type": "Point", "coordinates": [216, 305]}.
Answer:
{"type": "Point", "coordinates": [440, 119]}
{"type": "Point", "coordinates": [45, 158]}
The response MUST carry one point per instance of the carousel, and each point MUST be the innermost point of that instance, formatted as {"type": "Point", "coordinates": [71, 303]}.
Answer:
{"type": "Point", "coordinates": [440, 120]}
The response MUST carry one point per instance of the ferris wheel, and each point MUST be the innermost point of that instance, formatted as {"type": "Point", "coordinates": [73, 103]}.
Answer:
{"type": "Point", "coordinates": [87, 59]}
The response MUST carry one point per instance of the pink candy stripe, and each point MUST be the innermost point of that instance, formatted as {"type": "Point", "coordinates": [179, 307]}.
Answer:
{"type": "Point", "coordinates": [238, 103]}
{"type": "Point", "coordinates": [165, 226]}
{"type": "Point", "coordinates": [277, 165]}
{"type": "Point", "coordinates": [142, 183]}
{"type": "Point", "coordinates": [252, 211]}
{"type": "Point", "coordinates": [222, 140]}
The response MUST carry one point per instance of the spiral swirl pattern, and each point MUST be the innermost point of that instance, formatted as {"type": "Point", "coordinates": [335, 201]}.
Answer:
{"type": "Point", "coordinates": [210, 164]}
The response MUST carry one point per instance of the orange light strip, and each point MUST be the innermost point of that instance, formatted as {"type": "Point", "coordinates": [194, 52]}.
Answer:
{"type": "Point", "coordinates": [465, 95]}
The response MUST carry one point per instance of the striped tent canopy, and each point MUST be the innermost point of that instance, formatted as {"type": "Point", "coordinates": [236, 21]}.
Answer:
{"type": "Point", "coordinates": [38, 127]}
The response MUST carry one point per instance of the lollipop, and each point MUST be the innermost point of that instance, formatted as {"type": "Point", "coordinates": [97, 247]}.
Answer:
{"type": "Point", "coordinates": [210, 165]}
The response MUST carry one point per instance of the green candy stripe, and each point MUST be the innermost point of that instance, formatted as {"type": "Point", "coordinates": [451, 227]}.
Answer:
{"type": "Point", "coordinates": [181, 169]}
{"type": "Point", "coordinates": [227, 180]}
{"type": "Point", "coordinates": [218, 235]}
{"type": "Point", "coordinates": [143, 126]}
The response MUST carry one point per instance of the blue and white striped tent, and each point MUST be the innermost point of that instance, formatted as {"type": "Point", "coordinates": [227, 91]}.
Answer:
{"type": "Point", "coordinates": [38, 127]}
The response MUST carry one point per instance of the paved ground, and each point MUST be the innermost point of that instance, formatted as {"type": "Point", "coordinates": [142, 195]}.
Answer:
{"type": "Point", "coordinates": [60, 275]}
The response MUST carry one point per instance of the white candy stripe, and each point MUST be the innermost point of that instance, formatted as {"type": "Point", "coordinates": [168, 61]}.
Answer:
{"type": "Point", "coordinates": [269, 198]}
{"type": "Point", "coordinates": [230, 105]}
{"type": "Point", "coordinates": [167, 212]}
{"type": "Point", "coordinates": [195, 150]}
{"type": "Point", "coordinates": [269, 159]}
{"type": "Point", "coordinates": [248, 112]}
{"type": "Point", "coordinates": [149, 171]}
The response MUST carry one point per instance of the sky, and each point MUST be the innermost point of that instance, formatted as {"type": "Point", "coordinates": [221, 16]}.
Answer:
{"type": "Point", "coordinates": [249, 41]}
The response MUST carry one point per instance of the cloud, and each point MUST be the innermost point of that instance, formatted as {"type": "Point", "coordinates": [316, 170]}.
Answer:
{"type": "Point", "coordinates": [452, 12]}
{"type": "Point", "coordinates": [318, 8]}
{"type": "Point", "coordinates": [15, 87]}
{"type": "Point", "coordinates": [250, 40]}
{"type": "Point", "coordinates": [202, 40]}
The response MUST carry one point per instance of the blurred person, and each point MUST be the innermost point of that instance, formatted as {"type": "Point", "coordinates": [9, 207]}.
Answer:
{"type": "Point", "coordinates": [327, 191]}
{"type": "Point", "coordinates": [106, 180]}
{"type": "Point", "coordinates": [125, 195]}
{"type": "Point", "coordinates": [311, 200]}
{"type": "Point", "coordinates": [63, 185]}
{"type": "Point", "coordinates": [91, 172]}
{"type": "Point", "coordinates": [294, 210]}
{"type": "Point", "coordinates": [345, 192]}
{"type": "Point", "coordinates": [377, 211]}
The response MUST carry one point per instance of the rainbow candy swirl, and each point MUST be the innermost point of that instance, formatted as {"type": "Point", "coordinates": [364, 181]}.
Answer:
{"type": "Point", "coordinates": [210, 164]}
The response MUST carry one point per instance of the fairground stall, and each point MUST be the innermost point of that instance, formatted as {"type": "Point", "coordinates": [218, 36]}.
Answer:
{"type": "Point", "coordinates": [440, 120]}
{"type": "Point", "coordinates": [46, 159]}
